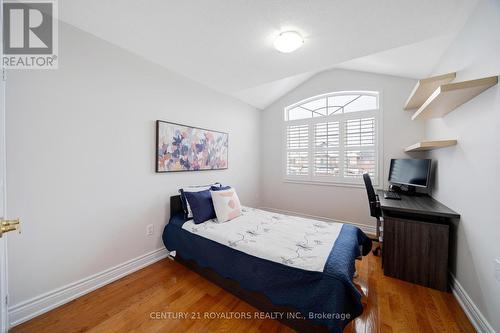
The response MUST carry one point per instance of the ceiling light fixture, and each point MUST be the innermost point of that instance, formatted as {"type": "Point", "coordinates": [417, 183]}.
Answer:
{"type": "Point", "coordinates": [288, 41]}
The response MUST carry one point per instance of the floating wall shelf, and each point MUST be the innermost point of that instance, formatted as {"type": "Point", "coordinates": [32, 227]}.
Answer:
{"type": "Point", "coordinates": [448, 97]}
{"type": "Point", "coordinates": [430, 145]}
{"type": "Point", "coordinates": [425, 88]}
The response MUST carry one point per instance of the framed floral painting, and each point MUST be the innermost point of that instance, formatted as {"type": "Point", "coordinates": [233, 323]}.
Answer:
{"type": "Point", "coordinates": [186, 148]}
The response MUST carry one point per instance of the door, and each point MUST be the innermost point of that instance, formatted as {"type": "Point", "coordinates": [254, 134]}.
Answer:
{"type": "Point", "coordinates": [3, 252]}
{"type": "Point", "coordinates": [3, 244]}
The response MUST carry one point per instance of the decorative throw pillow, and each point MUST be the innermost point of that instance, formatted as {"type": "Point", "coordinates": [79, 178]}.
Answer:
{"type": "Point", "coordinates": [188, 214]}
{"type": "Point", "coordinates": [226, 204]}
{"type": "Point", "coordinates": [201, 206]}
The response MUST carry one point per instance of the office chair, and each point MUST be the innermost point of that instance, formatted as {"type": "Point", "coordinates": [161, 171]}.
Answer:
{"type": "Point", "coordinates": [375, 211]}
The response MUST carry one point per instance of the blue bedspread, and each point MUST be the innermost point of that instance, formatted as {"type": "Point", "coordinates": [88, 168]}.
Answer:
{"type": "Point", "coordinates": [327, 297]}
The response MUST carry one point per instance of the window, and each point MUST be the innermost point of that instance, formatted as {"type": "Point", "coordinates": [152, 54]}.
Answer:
{"type": "Point", "coordinates": [333, 138]}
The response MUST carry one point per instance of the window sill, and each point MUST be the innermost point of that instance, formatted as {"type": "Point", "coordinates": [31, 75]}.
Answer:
{"type": "Point", "coordinates": [326, 183]}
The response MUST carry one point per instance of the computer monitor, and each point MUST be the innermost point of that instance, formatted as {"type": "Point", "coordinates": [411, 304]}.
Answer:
{"type": "Point", "coordinates": [412, 172]}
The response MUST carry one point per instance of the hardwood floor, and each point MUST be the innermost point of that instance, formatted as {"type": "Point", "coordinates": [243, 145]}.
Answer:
{"type": "Point", "coordinates": [143, 301]}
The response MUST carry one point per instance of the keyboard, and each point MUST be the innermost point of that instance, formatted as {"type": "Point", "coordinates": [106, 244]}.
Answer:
{"type": "Point", "coordinates": [392, 195]}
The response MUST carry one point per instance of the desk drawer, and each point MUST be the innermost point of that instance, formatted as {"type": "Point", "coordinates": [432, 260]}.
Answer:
{"type": "Point", "coordinates": [416, 251]}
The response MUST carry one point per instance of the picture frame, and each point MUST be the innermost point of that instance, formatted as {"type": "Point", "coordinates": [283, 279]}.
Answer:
{"type": "Point", "coordinates": [182, 147]}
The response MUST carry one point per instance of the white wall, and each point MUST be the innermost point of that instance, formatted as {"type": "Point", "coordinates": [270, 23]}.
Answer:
{"type": "Point", "coordinates": [335, 202]}
{"type": "Point", "coordinates": [467, 177]}
{"type": "Point", "coordinates": [80, 154]}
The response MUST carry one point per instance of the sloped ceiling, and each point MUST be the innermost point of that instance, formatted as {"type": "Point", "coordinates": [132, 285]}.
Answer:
{"type": "Point", "coordinates": [412, 61]}
{"type": "Point", "coordinates": [264, 95]}
{"type": "Point", "coordinates": [227, 44]}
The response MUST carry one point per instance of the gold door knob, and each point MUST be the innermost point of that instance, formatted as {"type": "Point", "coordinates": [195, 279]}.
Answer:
{"type": "Point", "coordinates": [9, 225]}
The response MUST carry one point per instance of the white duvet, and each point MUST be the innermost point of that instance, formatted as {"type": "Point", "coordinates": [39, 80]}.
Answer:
{"type": "Point", "coordinates": [289, 240]}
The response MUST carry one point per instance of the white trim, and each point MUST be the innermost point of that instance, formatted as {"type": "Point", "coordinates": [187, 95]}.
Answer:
{"type": "Point", "coordinates": [359, 185]}
{"type": "Point", "coordinates": [4, 321]}
{"type": "Point", "coordinates": [4, 281]}
{"type": "Point", "coordinates": [324, 183]}
{"type": "Point", "coordinates": [471, 310]}
{"type": "Point", "coordinates": [368, 229]}
{"type": "Point", "coordinates": [29, 309]}
{"type": "Point", "coordinates": [380, 142]}
{"type": "Point", "coordinates": [344, 92]}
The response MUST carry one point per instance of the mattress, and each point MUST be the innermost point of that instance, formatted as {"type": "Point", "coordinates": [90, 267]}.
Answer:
{"type": "Point", "coordinates": [289, 240]}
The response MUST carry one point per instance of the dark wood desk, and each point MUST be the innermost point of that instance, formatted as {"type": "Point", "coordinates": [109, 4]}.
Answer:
{"type": "Point", "coordinates": [421, 205]}
{"type": "Point", "coordinates": [416, 232]}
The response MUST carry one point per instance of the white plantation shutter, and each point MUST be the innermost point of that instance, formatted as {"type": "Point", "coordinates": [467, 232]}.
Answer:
{"type": "Point", "coordinates": [326, 163]}
{"type": "Point", "coordinates": [360, 132]}
{"type": "Point", "coordinates": [297, 163]}
{"type": "Point", "coordinates": [360, 154]}
{"type": "Point", "coordinates": [326, 148]}
{"type": "Point", "coordinates": [297, 136]}
{"type": "Point", "coordinates": [297, 159]}
{"type": "Point", "coordinates": [358, 162]}
{"type": "Point", "coordinates": [333, 138]}
{"type": "Point", "coordinates": [327, 135]}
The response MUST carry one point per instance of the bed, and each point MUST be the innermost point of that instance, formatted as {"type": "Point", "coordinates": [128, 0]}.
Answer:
{"type": "Point", "coordinates": [277, 263]}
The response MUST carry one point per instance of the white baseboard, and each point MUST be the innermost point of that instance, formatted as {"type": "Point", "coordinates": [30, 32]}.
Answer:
{"type": "Point", "coordinates": [368, 229]}
{"type": "Point", "coordinates": [29, 309]}
{"type": "Point", "coordinates": [471, 310]}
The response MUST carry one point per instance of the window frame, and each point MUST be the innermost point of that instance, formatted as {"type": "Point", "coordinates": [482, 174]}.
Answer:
{"type": "Point", "coordinates": [329, 180]}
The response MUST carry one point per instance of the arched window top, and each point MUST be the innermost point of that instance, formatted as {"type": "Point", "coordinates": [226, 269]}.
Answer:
{"type": "Point", "coordinates": [332, 104]}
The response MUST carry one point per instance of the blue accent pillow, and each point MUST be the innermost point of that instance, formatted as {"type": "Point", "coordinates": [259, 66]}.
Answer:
{"type": "Point", "coordinates": [201, 205]}
{"type": "Point", "coordinates": [184, 200]}
{"type": "Point", "coordinates": [220, 188]}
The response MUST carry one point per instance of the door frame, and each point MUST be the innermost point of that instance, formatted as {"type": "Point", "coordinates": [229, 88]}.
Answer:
{"type": "Point", "coordinates": [4, 315]}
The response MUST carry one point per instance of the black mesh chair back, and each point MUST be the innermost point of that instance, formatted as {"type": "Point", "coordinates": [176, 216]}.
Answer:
{"type": "Point", "coordinates": [372, 197]}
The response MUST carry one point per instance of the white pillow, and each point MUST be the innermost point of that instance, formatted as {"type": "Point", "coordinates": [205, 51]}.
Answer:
{"type": "Point", "coordinates": [196, 188]}
{"type": "Point", "coordinates": [226, 204]}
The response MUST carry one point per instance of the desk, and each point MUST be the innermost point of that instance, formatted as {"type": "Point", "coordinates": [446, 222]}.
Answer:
{"type": "Point", "coordinates": [416, 232]}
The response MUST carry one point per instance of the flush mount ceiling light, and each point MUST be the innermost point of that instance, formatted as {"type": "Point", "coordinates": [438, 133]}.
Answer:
{"type": "Point", "coordinates": [288, 41]}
